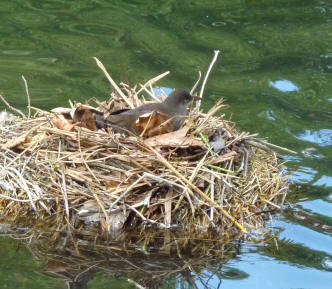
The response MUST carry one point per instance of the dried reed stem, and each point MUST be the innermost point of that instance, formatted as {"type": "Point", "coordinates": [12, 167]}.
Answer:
{"type": "Point", "coordinates": [216, 52]}
{"type": "Point", "coordinates": [28, 95]}
{"type": "Point", "coordinates": [153, 81]}
{"type": "Point", "coordinates": [102, 67]}
{"type": "Point", "coordinates": [12, 108]}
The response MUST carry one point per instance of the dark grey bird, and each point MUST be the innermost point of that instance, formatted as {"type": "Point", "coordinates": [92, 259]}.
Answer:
{"type": "Point", "coordinates": [176, 104]}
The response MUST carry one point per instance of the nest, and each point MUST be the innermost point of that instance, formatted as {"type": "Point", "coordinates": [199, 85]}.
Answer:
{"type": "Point", "coordinates": [57, 166]}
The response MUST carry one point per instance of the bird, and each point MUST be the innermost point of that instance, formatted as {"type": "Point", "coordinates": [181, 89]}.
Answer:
{"type": "Point", "coordinates": [176, 104]}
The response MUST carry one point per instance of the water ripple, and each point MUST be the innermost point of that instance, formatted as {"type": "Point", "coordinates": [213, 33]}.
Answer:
{"type": "Point", "coordinates": [303, 175]}
{"type": "Point", "coordinates": [324, 181]}
{"type": "Point", "coordinates": [93, 29]}
{"type": "Point", "coordinates": [327, 263]}
{"type": "Point", "coordinates": [322, 137]}
{"type": "Point", "coordinates": [312, 153]}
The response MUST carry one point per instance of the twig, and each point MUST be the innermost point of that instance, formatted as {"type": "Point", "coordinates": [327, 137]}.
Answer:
{"type": "Point", "coordinates": [270, 203]}
{"type": "Point", "coordinates": [273, 145]}
{"type": "Point", "coordinates": [28, 95]}
{"type": "Point", "coordinates": [12, 108]}
{"type": "Point", "coordinates": [212, 197]}
{"type": "Point", "coordinates": [149, 93]}
{"type": "Point", "coordinates": [216, 52]}
{"type": "Point", "coordinates": [259, 145]}
{"type": "Point", "coordinates": [102, 67]}
{"type": "Point", "coordinates": [161, 180]}
{"type": "Point", "coordinates": [40, 110]}
{"type": "Point", "coordinates": [153, 80]}
{"type": "Point", "coordinates": [64, 193]}
{"type": "Point", "coordinates": [196, 83]}
{"type": "Point", "coordinates": [15, 200]}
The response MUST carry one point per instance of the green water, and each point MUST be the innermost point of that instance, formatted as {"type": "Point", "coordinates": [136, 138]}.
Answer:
{"type": "Point", "coordinates": [275, 71]}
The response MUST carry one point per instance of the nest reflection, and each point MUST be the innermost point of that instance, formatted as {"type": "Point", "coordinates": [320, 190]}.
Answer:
{"type": "Point", "coordinates": [148, 260]}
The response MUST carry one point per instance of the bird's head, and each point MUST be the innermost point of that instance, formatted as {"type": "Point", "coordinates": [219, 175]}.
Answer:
{"type": "Point", "coordinates": [179, 98]}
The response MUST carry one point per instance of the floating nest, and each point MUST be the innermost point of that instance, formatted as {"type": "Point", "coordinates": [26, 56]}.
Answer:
{"type": "Point", "coordinates": [58, 167]}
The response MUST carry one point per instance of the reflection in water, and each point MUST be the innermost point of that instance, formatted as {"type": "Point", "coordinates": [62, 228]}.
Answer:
{"type": "Point", "coordinates": [303, 175]}
{"type": "Point", "coordinates": [270, 115]}
{"type": "Point", "coordinates": [324, 181]}
{"type": "Point", "coordinates": [319, 206]}
{"type": "Point", "coordinates": [309, 232]}
{"type": "Point", "coordinates": [147, 261]}
{"type": "Point", "coordinates": [156, 259]}
{"type": "Point", "coordinates": [312, 153]}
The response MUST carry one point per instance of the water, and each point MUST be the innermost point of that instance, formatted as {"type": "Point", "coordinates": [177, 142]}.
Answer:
{"type": "Point", "coordinates": [275, 72]}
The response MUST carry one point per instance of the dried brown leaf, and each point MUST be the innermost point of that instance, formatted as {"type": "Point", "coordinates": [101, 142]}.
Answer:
{"type": "Point", "coordinates": [60, 122]}
{"type": "Point", "coordinates": [56, 266]}
{"type": "Point", "coordinates": [178, 138]}
{"type": "Point", "coordinates": [153, 124]}
{"type": "Point", "coordinates": [15, 142]}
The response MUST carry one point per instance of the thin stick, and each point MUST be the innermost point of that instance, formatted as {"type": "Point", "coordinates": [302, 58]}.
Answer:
{"type": "Point", "coordinates": [162, 180]}
{"type": "Point", "coordinates": [12, 108]}
{"type": "Point", "coordinates": [212, 197]}
{"type": "Point", "coordinates": [64, 193]}
{"type": "Point", "coordinates": [276, 146]}
{"type": "Point", "coordinates": [39, 110]}
{"type": "Point", "coordinates": [102, 67]}
{"type": "Point", "coordinates": [197, 82]}
{"type": "Point", "coordinates": [28, 96]}
{"type": "Point", "coordinates": [153, 80]}
{"type": "Point", "coordinates": [216, 52]}
{"type": "Point", "coordinates": [149, 93]}
{"type": "Point", "coordinates": [16, 200]}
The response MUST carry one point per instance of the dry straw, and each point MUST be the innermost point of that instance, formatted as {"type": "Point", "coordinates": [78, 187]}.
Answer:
{"type": "Point", "coordinates": [205, 175]}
